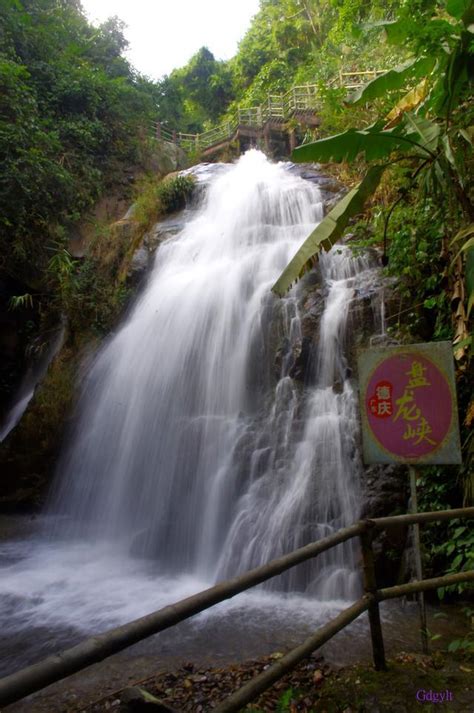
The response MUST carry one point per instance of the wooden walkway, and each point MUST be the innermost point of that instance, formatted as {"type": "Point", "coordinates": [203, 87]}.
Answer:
{"type": "Point", "coordinates": [278, 114]}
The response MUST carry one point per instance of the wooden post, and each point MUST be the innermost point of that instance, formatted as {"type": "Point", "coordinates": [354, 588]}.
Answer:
{"type": "Point", "coordinates": [418, 565]}
{"type": "Point", "coordinates": [158, 130]}
{"type": "Point", "coordinates": [266, 136]}
{"type": "Point", "coordinates": [174, 137]}
{"type": "Point", "coordinates": [370, 585]}
{"type": "Point", "coordinates": [292, 137]}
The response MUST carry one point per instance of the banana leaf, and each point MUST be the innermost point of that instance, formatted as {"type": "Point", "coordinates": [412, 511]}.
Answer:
{"type": "Point", "coordinates": [329, 230]}
{"type": "Point", "coordinates": [408, 102]}
{"type": "Point", "coordinates": [392, 80]}
{"type": "Point", "coordinates": [413, 134]}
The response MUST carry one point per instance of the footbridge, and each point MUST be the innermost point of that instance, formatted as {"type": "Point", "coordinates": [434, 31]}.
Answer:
{"type": "Point", "coordinates": [274, 122]}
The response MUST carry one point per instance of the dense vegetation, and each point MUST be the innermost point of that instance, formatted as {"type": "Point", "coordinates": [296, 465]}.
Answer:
{"type": "Point", "coordinates": [71, 114]}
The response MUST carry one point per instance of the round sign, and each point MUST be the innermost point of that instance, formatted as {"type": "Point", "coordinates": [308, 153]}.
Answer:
{"type": "Point", "coordinates": [409, 405]}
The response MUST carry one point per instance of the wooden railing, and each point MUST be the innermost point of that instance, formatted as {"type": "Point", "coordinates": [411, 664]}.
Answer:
{"type": "Point", "coordinates": [297, 103]}
{"type": "Point", "coordinates": [95, 649]}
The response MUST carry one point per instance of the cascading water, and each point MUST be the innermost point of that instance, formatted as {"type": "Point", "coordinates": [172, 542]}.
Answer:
{"type": "Point", "coordinates": [187, 447]}
{"type": "Point", "coordinates": [194, 446]}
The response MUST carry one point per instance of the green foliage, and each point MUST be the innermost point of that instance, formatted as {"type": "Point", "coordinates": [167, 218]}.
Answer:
{"type": "Point", "coordinates": [21, 301]}
{"type": "Point", "coordinates": [449, 547]}
{"type": "Point", "coordinates": [71, 114]}
{"type": "Point", "coordinates": [195, 94]}
{"type": "Point", "coordinates": [173, 193]}
{"type": "Point", "coordinates": [416, 253]}
{"type": "Point", "coordinates": [159, 197]}
{"type": "Point", "coordinates": [466, 644]}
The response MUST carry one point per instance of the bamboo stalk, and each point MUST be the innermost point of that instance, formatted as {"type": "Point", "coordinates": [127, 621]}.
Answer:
{"type": "Point", "coordinates": [370, 584]}
{"type": "Point", "coordinates": [97, 648]}
{"type": "Point", "coordinates": [421, 517]}
{"type": "Point", "coordinates": [264, 680]}
{"type": "Point", "coordinates": [427, 584]}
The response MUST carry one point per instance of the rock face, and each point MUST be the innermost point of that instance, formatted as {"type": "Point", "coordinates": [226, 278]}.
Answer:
{"type": "Point", "coordinates": [386, 492]}
{"type": "Point", "coordinates": [165, 158]}
{"type": "Point", "coordinates": [142, 258]}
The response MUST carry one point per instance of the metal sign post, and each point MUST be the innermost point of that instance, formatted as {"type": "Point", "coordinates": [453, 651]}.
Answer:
{"type": "Point", "coordinates": [418, 565]}
{"type": "Point", "coordinates": [409, 415]}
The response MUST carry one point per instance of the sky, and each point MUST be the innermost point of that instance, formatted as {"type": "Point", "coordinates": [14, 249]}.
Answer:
{"type": "Point", "coordinates": [164, 34]}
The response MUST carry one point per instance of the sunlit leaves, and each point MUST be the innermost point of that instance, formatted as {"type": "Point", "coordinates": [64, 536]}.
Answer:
{"type": "Point", "coordinates": [393, 80]}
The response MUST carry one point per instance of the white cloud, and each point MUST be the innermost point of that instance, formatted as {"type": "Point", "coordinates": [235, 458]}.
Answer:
{"type": "Point", "coordinates": [164, 34]}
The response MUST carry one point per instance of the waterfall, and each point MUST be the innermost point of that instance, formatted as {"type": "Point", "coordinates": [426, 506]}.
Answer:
{"type": "Point", "coordinates": [188, 447]}
{"type": "Point", "coordinates": [196, 449]}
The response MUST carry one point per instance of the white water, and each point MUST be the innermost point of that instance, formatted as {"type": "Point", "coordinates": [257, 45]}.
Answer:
{"type": "Point", "coordinates": [34, 375]}
{"type": "Point", "coordinates": [196, 455]}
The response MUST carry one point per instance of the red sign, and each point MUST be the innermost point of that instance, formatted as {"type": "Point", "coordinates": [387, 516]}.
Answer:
{"type": "Point", "coordinates": [409, 406]}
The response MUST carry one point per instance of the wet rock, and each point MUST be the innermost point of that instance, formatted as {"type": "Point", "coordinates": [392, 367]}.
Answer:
{"type": "Point", "coordinates": [385, 489]}
{"type": "Point", "coordinates": [299, 370]}
{"type": "Point", "coordinates": [138, 266]}
{"type": "Point", "coordinates": [137, 700]}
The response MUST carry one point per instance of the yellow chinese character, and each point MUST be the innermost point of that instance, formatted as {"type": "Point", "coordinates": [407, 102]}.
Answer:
{"type": "Point", "coordinates": [407, 412]}
{"type": "Point", "coordinates": [419, 433]}
{"type": "Point", "coordinates": [417, 375]}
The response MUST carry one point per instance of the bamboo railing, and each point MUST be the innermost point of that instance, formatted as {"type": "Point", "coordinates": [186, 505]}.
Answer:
{"type": "Point", "coordinates": [297, 103]}
{"type": "Point", "coordinates": [95, 649]}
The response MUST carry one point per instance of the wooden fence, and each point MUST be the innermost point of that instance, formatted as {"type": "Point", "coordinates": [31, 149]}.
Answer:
{"type": "Point", "coordinates": [298, 103]}
{"type": "Point", "coordinates": [95, 649]}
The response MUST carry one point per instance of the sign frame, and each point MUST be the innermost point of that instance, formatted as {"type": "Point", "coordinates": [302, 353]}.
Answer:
{"type": "Point", "coordinates": [440, 356]}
